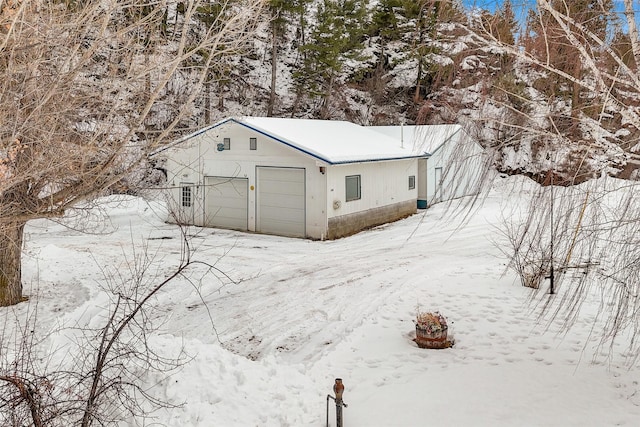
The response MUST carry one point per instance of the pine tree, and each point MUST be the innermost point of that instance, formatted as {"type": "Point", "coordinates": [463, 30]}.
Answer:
{"type": "Point", "coordinates": [212, 16]}
{"type": "Point", "coordinates": [385, 20]}
{"type": "Point", "coordinates": [420, 22]}
{"type": "Point", "coordinates": [384, 29]}
{"type": "Point", "coordinates": [548, 41]}
{"type": "Point", "coordinates": [506, 24]}
{"type": "Point", "coordinates": [502, 26]}
{"type": "Point", "coordinates": [282, 13]}
{"type": "Point", "coordinates": [621, 44]}
{"type": "Point", "coordinates": [337, 37]}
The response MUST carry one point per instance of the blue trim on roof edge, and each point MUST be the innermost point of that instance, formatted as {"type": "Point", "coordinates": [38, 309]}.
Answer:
{"type": "Point", "coordinates": [191, 135]}
{"type": "Point", "coordinates": [260, 131]}
{"type": "Point", "coordinates": [315, 156]}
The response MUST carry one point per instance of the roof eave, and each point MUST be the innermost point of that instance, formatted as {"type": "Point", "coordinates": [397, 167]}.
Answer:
{"type": "Point", "coordinates": [261, 131]}
{"type": "Point", "coordinates": [190, 136]}
{"type": "Point", "coordinates": [283, 141]}
{"type": "Point", "coordinates": [387, 159]}
{"type": "Point", "coordinates": [446, 140]}
{"type": "Point", "coordinates": [318, 156]}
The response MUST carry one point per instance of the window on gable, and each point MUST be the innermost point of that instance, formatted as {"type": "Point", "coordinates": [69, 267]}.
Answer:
{"type": "Point", "coordinates": [253, 143]}
{"type": "Point", "coordinates": [227, 143]}
{"type": "Point", "coordinates": [352, 187]}
{"type": "Point", "coordinates": [187, 197]}
{"type": "Point", "coordinates": [412, 182]}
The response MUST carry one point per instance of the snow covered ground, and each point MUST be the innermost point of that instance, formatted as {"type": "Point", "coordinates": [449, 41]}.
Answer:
{"type": "Point", "coordinates": [266, 349]}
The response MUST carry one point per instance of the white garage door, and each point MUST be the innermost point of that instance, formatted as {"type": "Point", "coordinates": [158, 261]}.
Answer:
{"type": "Point", "coordinates": [226, 203]}
{"type": "Point", "coordinates": [281, 201]}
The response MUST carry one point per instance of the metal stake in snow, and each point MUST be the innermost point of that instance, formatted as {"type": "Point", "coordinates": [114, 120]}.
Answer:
{"type": "Point", "coordinates": [552, 289]}
{"type": "Point", "coordinates": [338, 389]}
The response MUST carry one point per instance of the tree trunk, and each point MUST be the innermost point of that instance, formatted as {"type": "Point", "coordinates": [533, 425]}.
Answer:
{"type": "Point", "coordinates": [379, 83]}
{"type": "Point", "coordinates": [274, 70]}
{"type": "Point", "coordinates": [10, 267]}
{"type": "Point", "coordinates": [296, 103]}
{"type": "Point", "coordinates": [221, 96]}
{"type": "Point", "coordinates": [324, 107]}
{"type": "Point", "coordinates": [416, 95]}
{"type": "Point", "coordinates": [303, 40]}
{"type": "Point", "coordinates": [207, 102]}
{"type": "Point", "coordinates": [633, 30]}
{"type": "Point", "coordinates": [576, 102]}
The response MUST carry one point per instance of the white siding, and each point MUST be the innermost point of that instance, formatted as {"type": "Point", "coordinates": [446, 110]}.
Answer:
{"type": "Point", "coordinates": [462, 162]}
{"type": "Point", "coordinates": [382, 183]}
{"type": "Point", "coordinates": [198, 157]}
{"type": "Point", "coordinates": [181, 164]}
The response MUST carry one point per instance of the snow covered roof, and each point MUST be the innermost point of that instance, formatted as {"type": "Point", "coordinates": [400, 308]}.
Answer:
{"type": "Point", "coordinates": [331, 141]}
{"type": "Point", "coordinates": [422, 139]}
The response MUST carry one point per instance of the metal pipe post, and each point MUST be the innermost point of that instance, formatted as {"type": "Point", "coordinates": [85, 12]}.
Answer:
{"type": "Point", "coordinates": [338, 389]}
{"type": "Point", "coordinates": [328, 397]}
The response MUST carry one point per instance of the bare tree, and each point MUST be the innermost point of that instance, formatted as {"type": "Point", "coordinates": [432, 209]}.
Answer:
{"type": "Point", "coordinates": [87, 89]}
{"type": "Point", "coordinates": [107, 355]}
{"type": "Point", "coordinates": [580, 241]}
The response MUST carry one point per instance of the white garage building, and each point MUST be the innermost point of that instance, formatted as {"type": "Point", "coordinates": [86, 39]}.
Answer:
{"type": "Point", "coordinates": [452, 165]}
{"type": "Point", "coordinates": [301, 178]}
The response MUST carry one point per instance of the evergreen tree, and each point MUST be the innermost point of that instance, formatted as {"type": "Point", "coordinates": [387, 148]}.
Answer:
{"type": "Point", "coordinates": [282, 13]}
{"type": "Point", "coordinates": [547, 40]}
{"type": "Point", "coordinates": [385, 20]}
{"type": "Point", "coordinates": [384, 29]}
{"type": "Point", "coordinates": [505, 24]}
{"type": "Point", "coordinates": [621, 45]}
{"type": "Point", "coordinates": [421, 19]}
{"type": "Point", "coordinates": [502, 26]}
{"type": "Point", "coordinates": [213, 16]}
{"type": "Point", "coordinates": [337, 37]}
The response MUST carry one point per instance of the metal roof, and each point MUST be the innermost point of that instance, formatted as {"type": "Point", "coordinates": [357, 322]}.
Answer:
{"type": "Point", "coordinates": [422, 139]}
{"type": "Point", "coordinates": [331, 141]}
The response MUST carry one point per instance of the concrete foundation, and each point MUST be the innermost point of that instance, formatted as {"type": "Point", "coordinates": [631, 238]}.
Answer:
{"type": "Point", "coordinates": [347, 225]}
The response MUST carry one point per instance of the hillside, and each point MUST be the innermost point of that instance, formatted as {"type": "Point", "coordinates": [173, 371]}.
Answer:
{"type": "Point", "coordinates": [386, 62]}
{"type": "Point", "coordinates": [112, 316]}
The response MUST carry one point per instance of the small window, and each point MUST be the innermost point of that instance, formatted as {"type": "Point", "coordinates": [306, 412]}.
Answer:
{"type": "Point", "coordinates": [186, 197]}
{"type": "Point", "coordinates": [352, 183]}
{"type": "Point", "coordinates": [227, 143]}
{"type": "Point", "coordinates": [253, 143]}
{"type": "Point", "coordinates": [412, 182]}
